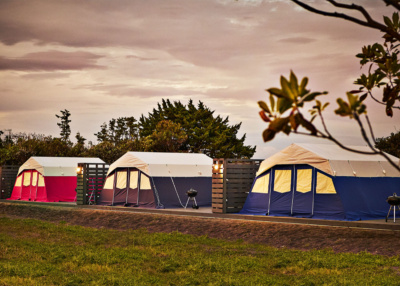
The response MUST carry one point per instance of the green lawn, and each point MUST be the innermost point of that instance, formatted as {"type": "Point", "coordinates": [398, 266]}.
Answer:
{"type": "Point", "coordinates": [33, 252]}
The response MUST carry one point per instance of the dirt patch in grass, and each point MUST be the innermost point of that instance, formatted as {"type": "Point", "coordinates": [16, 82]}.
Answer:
{"type": "Point", "coordinates": [279, 235]}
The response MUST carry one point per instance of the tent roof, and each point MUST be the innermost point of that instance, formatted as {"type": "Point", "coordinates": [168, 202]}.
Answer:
{"type": "Point", "coordinates": [160, 164]}
{"type": "Point", "coordinates": [56, 166]}
{"type": "Point", "coordinates": [333, 160]}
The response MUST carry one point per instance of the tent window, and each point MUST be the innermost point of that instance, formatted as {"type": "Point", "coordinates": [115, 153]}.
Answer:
{"type": "Point", "coordinates": [109, 184]}
{"type": "Point", "coordinates": [34, 178]}
{"type": "Point", "coordinates": [41, 181]}
{"type": "Point", "coordinates": [304, 177]}
{"type": "Point", "coordinates": [283, 179]}
{"type": "Point", "coordinates": [133, 181]}
{"type": "Point", "coordinates": [18, 182]}
{"type": "Point", "coordinates": [144, 182]}
{"type": "Point", "coordinates": [27, 179]}
{"type": "Point", "coordinates": [121, 179]}
{"type": "Point", "coordinates": [261, 185]}
{"type": "Point", "coordinates": [324, 184]}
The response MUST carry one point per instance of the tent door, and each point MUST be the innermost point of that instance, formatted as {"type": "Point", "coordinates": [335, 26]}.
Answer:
{"type": "Point", "coordinates": [120, 190]}
{"type": "Point", "coordinates": [303, 194]}
{"type": "Point", "coordinates": [281, 198]}
{"type": "Point", "coordinates": [132, 195]}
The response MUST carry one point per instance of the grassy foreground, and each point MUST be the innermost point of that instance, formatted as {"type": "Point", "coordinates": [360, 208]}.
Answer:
{"type": "Point", "coordinates": [34, 252]}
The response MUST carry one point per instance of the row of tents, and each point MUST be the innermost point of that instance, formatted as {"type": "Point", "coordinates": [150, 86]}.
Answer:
{"type": "Point", "coordinates": [303, 180]}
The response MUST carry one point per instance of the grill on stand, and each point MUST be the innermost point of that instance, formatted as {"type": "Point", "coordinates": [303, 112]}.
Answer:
{"type": "Point", "coordinates": [192, 197]}
{"type": "Point", "coordinates": [393, 201]}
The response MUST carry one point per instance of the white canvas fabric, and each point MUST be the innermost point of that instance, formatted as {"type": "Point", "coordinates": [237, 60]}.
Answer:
{"type": "Point", "coordinates": [333, 160]}
{"type": "Point", "coordinates": [160, 164]}
{"type": "Point", "coordinates": [56, 166]}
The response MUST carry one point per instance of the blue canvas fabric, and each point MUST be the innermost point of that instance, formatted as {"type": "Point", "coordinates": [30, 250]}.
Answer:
{"type": "Point", "coordinates": [175, 197]}
{"type": "Point", "coordinates": [365, 198]}
{"type": "Point", "coordinates": [256, 203]}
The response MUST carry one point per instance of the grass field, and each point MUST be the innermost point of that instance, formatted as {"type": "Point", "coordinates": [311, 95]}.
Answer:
{"type": "Point", "coordinates": [34, 252]}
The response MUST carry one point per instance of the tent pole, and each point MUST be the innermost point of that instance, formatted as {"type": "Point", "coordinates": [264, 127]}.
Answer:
{"type": "Point", "coordinates": [30, 186]}
{"type": "Point", "coordinates": [114, 185]}
{"type": "Point", "coordinates": [313, 184]}
{"type": "Point", "coordinates": [128, 182]}
{"type": "Point", "coordinates": [37, 183]}
{"type": "Point", "coordinates": [138, 189]}
{"type": "Point", "coordinates": [270, 189]}
{"type": "Point", "coordinates": [293, 188]}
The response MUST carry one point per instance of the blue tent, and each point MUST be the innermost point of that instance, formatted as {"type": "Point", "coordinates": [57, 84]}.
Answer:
{"type": "Point", "coordinates": [157, 180]}
{"type": "Point", "coordinates": [323, 181]}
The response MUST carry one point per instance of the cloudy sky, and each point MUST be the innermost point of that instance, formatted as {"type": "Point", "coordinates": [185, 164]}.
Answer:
{"type": "Point", "coordinates": [103, 59]}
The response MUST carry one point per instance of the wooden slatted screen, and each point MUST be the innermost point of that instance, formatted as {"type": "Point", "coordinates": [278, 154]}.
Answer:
{"type": "Point", "coordinates": [231, 182]}
{"type": "Point", "coordinates": [90, 183]}
{"type": "Point", "coordinates": [8, 175]}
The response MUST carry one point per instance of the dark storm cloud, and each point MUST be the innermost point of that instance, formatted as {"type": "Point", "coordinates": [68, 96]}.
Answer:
{"type": "Point", "coordinates": [51, 61]}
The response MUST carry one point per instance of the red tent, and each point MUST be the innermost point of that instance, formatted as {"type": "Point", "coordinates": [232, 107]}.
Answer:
{"type": "Point", "coordinates": [48, 179]}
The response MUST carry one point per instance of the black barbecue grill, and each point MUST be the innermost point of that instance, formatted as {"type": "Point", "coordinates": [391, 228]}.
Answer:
{"type": "Point", "coordinates": [393, 201]}
{"type": "Point", "coordinates": [192, 197]}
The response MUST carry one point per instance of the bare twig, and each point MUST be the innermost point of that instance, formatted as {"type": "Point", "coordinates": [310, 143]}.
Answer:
{"type": "Point", "coordinates": [371, 131]}
{"type": "Point", "coordinates": [369, 22]}
{"type": "Point", "coordinates": [393, 3]}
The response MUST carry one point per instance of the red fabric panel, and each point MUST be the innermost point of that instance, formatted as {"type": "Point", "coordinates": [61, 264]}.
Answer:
{"type": "Point", "coordinates": [33, 190]}
{"type": "Point", "coordinates": [26, 190]}
{"type": "Point", "coordinates": [41, 194]}
{"type": "Point", "coordinates": [16, 193]}
{"type": "Point", "coordinates": [61, 189]}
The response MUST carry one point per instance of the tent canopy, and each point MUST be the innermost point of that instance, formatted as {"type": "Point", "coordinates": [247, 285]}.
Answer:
{"type": "Point", "coordinates": [333, 160]}
{"type": "Point", "coordinates": [56, 166]}
{"type": "Point", "coordinates": [158, 164]}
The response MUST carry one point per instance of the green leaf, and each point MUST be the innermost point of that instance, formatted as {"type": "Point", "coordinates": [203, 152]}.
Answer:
{"type": "Point", "coordinates": [313, 95]}
{"type": "Point", "coordinates": [294, 86]}
{"type": "Point", "coordinates": [363, 97]}
{"type": "Point", "coordinates": [286, 89]}
{"type": "Point", "coordinates": [303, 85]}
{"type": "Point", "coordinates": [278, 124]}
{"type": "Point", "coordinates": [275, 91]}
{"type": "Point", "coordinates": [395, 18]}
{"type": "Point", "coordinates": [264, 107]}
{"type": "Point", "coordinates": [268, 135]}
{"type": "Point", "coordinates": [272, 102]}
{"type": "Point", "coordinates": [283, 104]}
{"type": "Point", "coordinates": [388, 22]}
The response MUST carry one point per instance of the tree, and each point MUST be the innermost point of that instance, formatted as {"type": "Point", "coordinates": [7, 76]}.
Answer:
{"type": "Point", "coordinates": [390, 144]}
{"type": "Point", "coordinates": [205, 132]}
{"type": "Point", "coordinates": [284, 111]}
{"type": "Point", "coordinates": [118, 130]}
{"type": "Point", "coordinates": [64, 124]}
{"type": "Point", "coordinates": [167, 137]}
{"type": "Point", "coordinates": [79, 149]}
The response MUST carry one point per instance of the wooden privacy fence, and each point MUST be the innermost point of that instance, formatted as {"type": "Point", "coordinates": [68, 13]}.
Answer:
{"type": "Point", "coordinates": [231, 182]}
{"type": "Point", "coordinates": [90, 182]}
{"type": "Point", "coordinates": [8, 175]}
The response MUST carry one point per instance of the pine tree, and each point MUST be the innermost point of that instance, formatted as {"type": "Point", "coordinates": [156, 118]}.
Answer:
{"type": "Point", "coordinates": [64, 125]}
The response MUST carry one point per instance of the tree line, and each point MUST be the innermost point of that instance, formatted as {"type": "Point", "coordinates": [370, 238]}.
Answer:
{"type": "Point", "coordinates": [170, 127]}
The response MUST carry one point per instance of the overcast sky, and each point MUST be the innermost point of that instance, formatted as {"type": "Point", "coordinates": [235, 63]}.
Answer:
{"type": "Point", "coordinates": [104, 59]}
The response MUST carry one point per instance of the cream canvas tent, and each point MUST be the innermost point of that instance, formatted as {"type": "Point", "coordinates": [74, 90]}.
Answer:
{"type": "Point", "coordinates": [323, 181]}
{"type": "Point", "coordinates": [155, 179]}
{"type": "Point", "coordinates": [48, 179]}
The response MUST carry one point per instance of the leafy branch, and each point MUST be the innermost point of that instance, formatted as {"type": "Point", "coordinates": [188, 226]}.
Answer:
{"type": "Point", "coordinates": [283, 113]}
